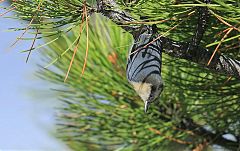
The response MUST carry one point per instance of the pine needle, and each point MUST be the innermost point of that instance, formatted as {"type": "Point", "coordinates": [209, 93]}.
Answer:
{"type": "Point", "coordinates": [34, 40]}
{"type": "Point", "coordinates": [26, 29]}
{"type": "Point", "coordinates": [62, 54]}
{"type": "Point", "coordinates": [216, 49]}
{"type": "Point", "coordinates": [228, 79]}
{"type": "Point", "coordinates": [86, 55]}
{"type": "Point", "coordinates": [151, 22]}
{"type": "Point", "coordinates": [174, 27]}
{"type": "Point", "coordinates": [30, 50]}
{"type": "Point", "coordinates": [224, 22]}
{"type": "Point", "coordinates": [169, 137]}
{"type": "Point", "coordinates": [8, 11]}
{"type": "Point", "coordinates": [28, 26]}
{"type": "Point", "coordinates": [76, 47]}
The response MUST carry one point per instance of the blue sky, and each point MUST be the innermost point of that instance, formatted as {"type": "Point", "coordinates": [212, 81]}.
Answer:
{"type": "Point", "coordinates": [26, 118]}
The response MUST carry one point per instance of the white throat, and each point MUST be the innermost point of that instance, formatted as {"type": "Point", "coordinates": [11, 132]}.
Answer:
{"type": "Point", "coordinates": [143, 89]}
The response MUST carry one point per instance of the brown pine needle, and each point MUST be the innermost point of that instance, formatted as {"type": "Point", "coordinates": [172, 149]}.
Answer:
{"type": "Point", "coordinates": [224, 22]}
{"type": "Point", "coordinates": [86, 54]}
{"type": "Point", "coordinates": [201, 146]}
{"type": "Point", "coordinates": [156, 38]}
{"type": "Point", "coordinates": [152, 22]}
{"type": "Point", "coordinates": [189, 14]}
{"type": "Point", "coordinates": [34, 40]}
{"type": "Point", "coordinates": [228, 79]}
{"type": "Point", "coordinates": [8, 11]}
{"type": "Point", "coordinates": [169, 137]}
{"type": "Point", "coordinates": [186, 131]}
{"type": "Point", "coordinates": [230, 47]}
{"type": "Point", "coordinates": [76, 48]}
{"type": "Point", "coordinates": [30, 50]}
{"type": "Point", "coordinates": [26, 29]}
{"type": "Point", "coordinates": [112, 58]}
{"type": "Point", "coordinates": [72, 59]}
{"type": "Point", "coordinates": [216, 49]}
{"type": "Point", "coordinates": [221, 32]}
{"type": "Point", "coordinates": [28, 26]}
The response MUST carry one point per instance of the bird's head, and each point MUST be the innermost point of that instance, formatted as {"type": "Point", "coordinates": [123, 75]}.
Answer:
{"type": "Point", "coordinates": [149, 90]}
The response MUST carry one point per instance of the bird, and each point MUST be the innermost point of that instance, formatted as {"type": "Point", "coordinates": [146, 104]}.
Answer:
{"type": "Point", "coordinates": [143, 69]}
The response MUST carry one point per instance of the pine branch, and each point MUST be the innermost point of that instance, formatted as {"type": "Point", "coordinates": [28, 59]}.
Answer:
{"type": "Point", "coordinates": [110, 9]}
{"type": "Point", "coordinates": [212, 138]}
{"type": "Point", "coordinates": [183, 50]}
{"type": "Point", "coordinates": [219, 64]}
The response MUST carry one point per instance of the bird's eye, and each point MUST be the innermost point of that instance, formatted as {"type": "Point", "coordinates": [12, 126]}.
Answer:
{"type": "Point", "coordinates": [151, 97]}
{"type": "Point", "coordinates": [153, 88]}
{"type": "Point", "coordinates": [160, 87]}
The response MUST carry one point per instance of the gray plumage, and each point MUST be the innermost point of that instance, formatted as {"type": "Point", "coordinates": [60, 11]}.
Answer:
{"type": "Point", "coordinates": [144, 68]}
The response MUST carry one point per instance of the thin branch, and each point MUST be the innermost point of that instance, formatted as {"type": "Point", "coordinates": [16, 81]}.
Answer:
{"type": "Point", "coordinates": [188, 51]}
{"type": "Point", "coordinates": [109, 8]}
{"type": "Point", "coordinates": [219, 64]}
{"type": "Point", "coordinates": [203, 16]}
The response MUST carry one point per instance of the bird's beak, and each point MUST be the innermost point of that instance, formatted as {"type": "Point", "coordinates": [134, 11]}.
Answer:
{"type": "Point", "coordinates": [146, 105]}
